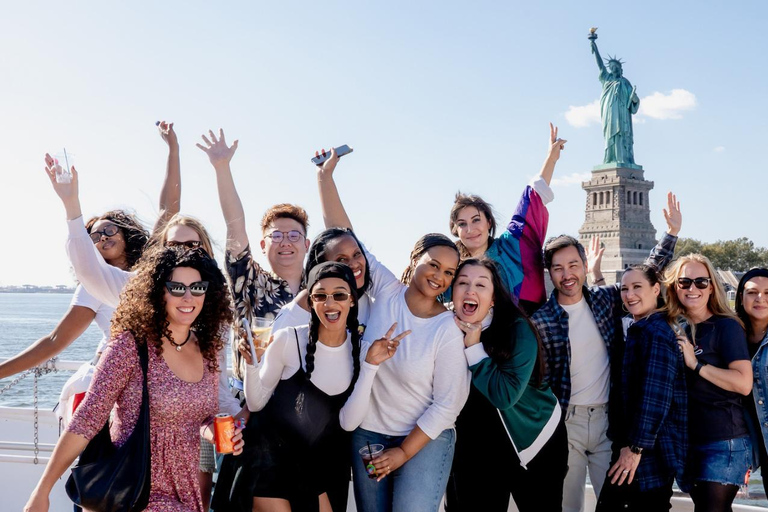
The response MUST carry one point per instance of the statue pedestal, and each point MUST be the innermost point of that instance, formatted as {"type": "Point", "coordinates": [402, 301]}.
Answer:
{"type": "Point", "coordinates": [618, 211]}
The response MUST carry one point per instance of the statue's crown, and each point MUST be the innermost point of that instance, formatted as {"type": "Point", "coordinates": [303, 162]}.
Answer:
{"type": "Point", "coordinates": [614, 59]}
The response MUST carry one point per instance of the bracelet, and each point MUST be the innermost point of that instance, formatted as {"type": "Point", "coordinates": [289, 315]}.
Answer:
{"type": "Point", "coordinates": [699, 366]}
{"type": "Point", "coordinates": [598, 280]}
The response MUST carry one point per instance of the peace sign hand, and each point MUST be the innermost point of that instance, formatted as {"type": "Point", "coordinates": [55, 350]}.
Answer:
{"type": "Point", "coordinates": [385, 347]}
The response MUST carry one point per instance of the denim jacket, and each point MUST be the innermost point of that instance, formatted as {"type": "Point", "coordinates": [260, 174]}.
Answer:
{"type": "Point", "coordinates": [760, 390]}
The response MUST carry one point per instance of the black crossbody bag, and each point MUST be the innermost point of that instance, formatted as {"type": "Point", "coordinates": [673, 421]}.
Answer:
{"type": "Point", "coordinates": [112, 479]}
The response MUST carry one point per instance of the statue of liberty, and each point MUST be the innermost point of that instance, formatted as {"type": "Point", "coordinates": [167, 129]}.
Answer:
{"type": "Point", "coordinates": [617, 104]}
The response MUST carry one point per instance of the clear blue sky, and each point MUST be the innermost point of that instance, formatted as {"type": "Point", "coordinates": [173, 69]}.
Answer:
{"type": "Point", "coordinates": [433, 96]}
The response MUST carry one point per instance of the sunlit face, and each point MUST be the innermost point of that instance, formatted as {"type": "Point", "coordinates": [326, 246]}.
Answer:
{"type": "Point", "coordinates": [110, 247]}
{"type": "Point", "coordinates": [755, 299]}
{"type": "Point", "coordinates": [344, 249]}
{"type": "Point", "coordinates": [473, 228]}
{"type": "Point", "coordinates": [694, 301]}
{"type": "Point", "coordinates": [638, 294]}
{"type": "Point", "coordinates": [434, 271]}
{"type": "Point", "coordinates": [473, 293]}
{"type": "Point", "coordinates": [332, 313]}
{"type": "Point", "coordinates": [179, 233]}
{"type": "Point", "coordinates": [183, 311]}
{"type": "Point", "coordinates": [286, 254]}
{"type": "Point", "coordinates": [568, 274]}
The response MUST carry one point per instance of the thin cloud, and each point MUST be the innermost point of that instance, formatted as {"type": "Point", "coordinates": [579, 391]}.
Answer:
{"type": "Point", "coordinates": [655, 106]}
{"type": "Point", "coordinates": [719, 149]}
{"type": "Point", "coordinates": [667, 106]}
{"type": "Point", "coordinates": [586, 115]}
{"type": "Point", "coordinates": [572, 179]}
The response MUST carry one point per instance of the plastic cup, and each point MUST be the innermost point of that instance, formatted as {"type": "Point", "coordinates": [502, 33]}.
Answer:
{"type": "Point", "coordinates": [368, 456]}
{"type": "Point", "coordinates": [261, 328]}
{"type": "Point", "coordinates": [63, 162]}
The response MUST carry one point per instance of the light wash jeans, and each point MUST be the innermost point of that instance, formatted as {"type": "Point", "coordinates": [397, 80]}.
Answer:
{"type": "Point", "coordinates": [418, 485]}
{"type": "Point", "coordinates": [588, 448]}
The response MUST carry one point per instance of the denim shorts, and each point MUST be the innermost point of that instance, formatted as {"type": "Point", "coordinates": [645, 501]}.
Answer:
{"type": "Point", "coordinates": [724, 462]}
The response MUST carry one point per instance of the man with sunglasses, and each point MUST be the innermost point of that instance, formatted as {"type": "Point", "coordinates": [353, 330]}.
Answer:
{"type": "Point", "coordinates": [580, 328]}
{"type": "Point", "coordinates": [257, 292]}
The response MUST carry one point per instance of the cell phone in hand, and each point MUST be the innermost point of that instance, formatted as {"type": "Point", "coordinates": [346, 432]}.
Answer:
{"type": "Point", "coordinates": [322, 157]}
{"type": "Point", "coordinates": [249, 336]}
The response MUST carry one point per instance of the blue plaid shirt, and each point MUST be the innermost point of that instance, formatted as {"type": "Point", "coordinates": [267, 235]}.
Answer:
{"type": "Point", "coordinates": [654, 401]}
{"type": "Point", "coordinates": [551, 320]}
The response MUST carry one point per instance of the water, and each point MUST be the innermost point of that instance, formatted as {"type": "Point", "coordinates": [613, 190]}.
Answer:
{"type": "Point", "coordinates": [25, 318]}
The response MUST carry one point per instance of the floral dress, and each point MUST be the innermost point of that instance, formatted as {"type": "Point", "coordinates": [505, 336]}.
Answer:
{"type": "Point", "coordinates": [177, 409]}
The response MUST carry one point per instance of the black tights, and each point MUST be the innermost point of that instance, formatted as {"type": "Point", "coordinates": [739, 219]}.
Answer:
{"type": "Point", "coordinates": [713, 496]}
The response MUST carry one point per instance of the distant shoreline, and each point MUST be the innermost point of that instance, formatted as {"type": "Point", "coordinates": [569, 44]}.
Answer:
{"type": "Point", "coordinates": [37, 289]}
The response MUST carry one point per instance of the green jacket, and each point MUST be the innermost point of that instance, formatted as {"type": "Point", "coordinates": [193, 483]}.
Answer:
{"type": "Point", "coordinates": [529, 413]}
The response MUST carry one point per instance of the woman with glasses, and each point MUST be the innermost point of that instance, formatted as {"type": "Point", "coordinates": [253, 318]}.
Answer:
{"type": "Point", "coordinates": [752, 309]}
{"type": "Point", "coordinates": [176, 307]}
{"type": "Point", "coordinates": [719, 376]}
{"type": "Point", "coordinates": [301, 389]}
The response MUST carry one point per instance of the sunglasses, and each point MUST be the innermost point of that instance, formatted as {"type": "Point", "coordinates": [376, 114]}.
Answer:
{"type": "Point", "coordinates": [293, 236]}
{"type": "Point", "coordinates": [702, 283]}
{"type": "Point", "coordinates": [109, 230]}
{"type": "Point", "coordinates": [180, 289]}
{"type": "Point", "coordinates": [337, 296]}
{"type": "Point", "coordinates": [190, 244]}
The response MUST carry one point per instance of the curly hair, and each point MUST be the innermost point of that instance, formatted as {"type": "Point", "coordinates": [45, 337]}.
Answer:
{"type": "Point", "coordinates": [134, 234]}
{"type": "Point", "coordinates": [142, 304]}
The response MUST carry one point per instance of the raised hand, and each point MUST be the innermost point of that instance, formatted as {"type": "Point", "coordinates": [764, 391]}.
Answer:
{"type": "Point", "coordinates": [217, 150]}
{"type": "Point", "coordinates": [555, 144]}
{"type": "Point", "coordinates": [385, 347]}
{"type": "Point", "coordinates": [595, 259]}
{"type": "Point", "coordinates": [673, 215]}
{"type": "Point", "coordinates": [167, 134]}
{"type": "Point", "coordinates": [326, 168]}
{"type": "Point", "coordinates": [67, 192]}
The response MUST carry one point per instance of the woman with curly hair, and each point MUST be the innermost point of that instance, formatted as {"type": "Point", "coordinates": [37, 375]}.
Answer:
{"type": "Point", "coordinates": [175, 306]}
{"type": "Point", "coordinates": [302, 387]}
{"type": "Point", "coordinates": [719, 376]}
{"type": "Point", "coordinates": [120, 239]}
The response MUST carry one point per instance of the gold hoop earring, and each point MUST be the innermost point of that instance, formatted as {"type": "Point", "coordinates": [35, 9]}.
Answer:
{"type": "Point", "coordinates": [624, 308]}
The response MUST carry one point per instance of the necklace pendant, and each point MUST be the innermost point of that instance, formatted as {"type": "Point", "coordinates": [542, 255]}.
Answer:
{"type": "Point", "coordinates": [178, 348]}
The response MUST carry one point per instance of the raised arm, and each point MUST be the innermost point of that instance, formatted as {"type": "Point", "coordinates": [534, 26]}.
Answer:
{"type": "Point", "coordinates": [70, 327]}
{"type": "Point", "coordinates": [170, 194]}
{"type": "Point", "coordinates": [334, 214]}
{"type": "Point", "coordinates": [220, 155]}
{"type": "Point", "coordinates": [661, 254]}
{"type": "Point", "coordinates": [98, 277]}
{"type": "Point", "coordinates": [599, 59]}
{"type": "Point", "coordinates": [553, 155]}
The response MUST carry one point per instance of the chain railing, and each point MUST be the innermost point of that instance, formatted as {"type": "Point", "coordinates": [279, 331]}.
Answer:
{"type": "Point", "coordinates": [45, 368]}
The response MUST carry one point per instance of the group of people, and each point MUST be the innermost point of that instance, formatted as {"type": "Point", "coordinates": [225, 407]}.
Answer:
{"type": "Point", "coordinates": [471, 382]}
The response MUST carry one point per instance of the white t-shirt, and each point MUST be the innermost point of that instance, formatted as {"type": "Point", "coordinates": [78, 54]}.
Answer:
{"type": "Point", "coordinates": [426, 382]}
{"type": "Point", "coordinates": [103, 313]}
{"type": "Point", "coordinates": [590, 371]}
{"type": "Point", "coordinates": [332, 373]}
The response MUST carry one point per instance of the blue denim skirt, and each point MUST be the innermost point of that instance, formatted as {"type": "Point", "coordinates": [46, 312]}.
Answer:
{"type": "Point", "coordinates": [725, 462]}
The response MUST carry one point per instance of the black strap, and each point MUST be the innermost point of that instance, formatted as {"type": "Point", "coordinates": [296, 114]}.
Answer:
{"type": "Point", "coordinates": [296, 335]}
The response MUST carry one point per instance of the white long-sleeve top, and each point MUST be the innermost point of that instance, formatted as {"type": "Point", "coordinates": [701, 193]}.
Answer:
{"type": "Point", "coordinates": [426, 382]}
{"type": "Point", "coordinates": [105, 283]}
{"type": "Point", "coordinates": [332, 373]}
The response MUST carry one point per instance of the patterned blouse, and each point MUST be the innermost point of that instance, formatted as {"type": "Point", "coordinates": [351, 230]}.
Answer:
{"type": "Point", "coordinates": [256, 292]}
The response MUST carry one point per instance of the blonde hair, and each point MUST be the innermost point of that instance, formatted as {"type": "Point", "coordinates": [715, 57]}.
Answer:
{"type": "Point", "coordinates": [160, 236]}
{"type": "Point", "coordinates": [717, 303]}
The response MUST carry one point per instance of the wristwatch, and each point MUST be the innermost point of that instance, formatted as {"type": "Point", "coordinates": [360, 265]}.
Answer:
{"type": "Point", "coordinates": [699, 366]}
{"type": "Point", "coordinates": [635, 449]}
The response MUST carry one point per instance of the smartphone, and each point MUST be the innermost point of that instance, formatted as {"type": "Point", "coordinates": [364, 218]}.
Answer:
{"type": "Point", "coordinates": [322, 157]}
{"type": "Point", "coordinates": [249, 336]}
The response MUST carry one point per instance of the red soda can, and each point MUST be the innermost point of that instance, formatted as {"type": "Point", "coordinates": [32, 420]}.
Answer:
{"type": "Point", "coordinates": [223, 432]}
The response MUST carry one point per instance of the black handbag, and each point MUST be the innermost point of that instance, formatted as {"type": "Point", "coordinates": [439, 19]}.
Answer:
{"type": "Point", "coordinates": [112, 479]}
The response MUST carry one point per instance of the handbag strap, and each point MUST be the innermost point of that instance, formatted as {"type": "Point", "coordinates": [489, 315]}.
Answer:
{"type": "Point", "coordinates": [143, 350]}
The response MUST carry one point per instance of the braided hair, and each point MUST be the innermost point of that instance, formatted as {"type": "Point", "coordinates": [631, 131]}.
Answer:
{"type": "Point", "coordinates": [341, 271]}
{"type": "Point", "coordinates": [317, 253]}
{"type": "Point", "coordinates": [424, 244]}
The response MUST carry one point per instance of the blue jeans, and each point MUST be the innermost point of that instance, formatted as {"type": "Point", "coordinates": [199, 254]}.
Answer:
{"type": "Point", "coordinates": [418, 485]}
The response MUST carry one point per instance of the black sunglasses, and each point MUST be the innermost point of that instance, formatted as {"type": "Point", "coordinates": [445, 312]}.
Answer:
{"type": "Point", "coordinates": [180, 289]}
{"type": "Point", "coordinates": [293, 236]}
{"type": "Point", "coordinates": [190, 244]}
{"type": "Point", "coordinates": [337, 296]}
{"type": "Point", "coordinates": [109, 230]}
{"type": "Point", "coordinates": [702, 283]}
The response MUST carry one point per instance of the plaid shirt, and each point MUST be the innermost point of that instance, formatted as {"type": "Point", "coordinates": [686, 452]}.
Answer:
{"type": "Point", "coordinates": [654, 401]}
{"type": "Point", "coordinates": [551, 320]}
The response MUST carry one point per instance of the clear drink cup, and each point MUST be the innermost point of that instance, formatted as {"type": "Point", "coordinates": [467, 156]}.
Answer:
{"type": "Point", "coordinates": [368, 453]}
{"type": "Point", "coordinates": [261, 328]}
